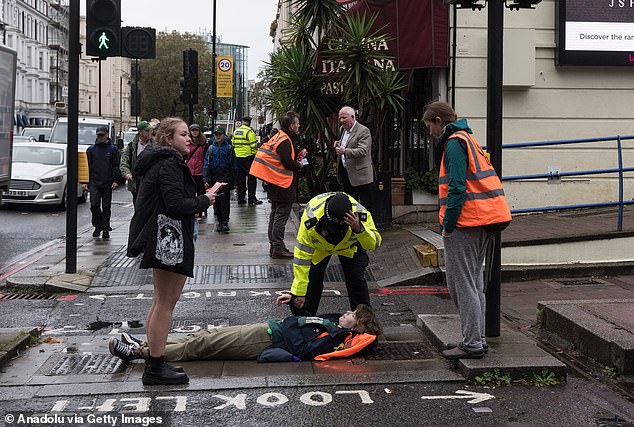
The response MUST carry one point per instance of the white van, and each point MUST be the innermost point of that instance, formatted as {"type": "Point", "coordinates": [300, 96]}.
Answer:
{"type": "Point", "coordinates": [87, 133]}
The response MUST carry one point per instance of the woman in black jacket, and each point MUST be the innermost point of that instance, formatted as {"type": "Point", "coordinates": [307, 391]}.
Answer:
{"type": "Point", "coordinates": [162, 228]}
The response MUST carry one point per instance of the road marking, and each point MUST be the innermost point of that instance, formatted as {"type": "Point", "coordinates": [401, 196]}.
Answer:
{"type": "Point", "coordinates": [464, 394]}
{"type": "Point", "coordinates": [207, 294]}
{"type": "Point", "coordinates": [22, 261]}
{"type": "Point", "coordinates": [411, 291]}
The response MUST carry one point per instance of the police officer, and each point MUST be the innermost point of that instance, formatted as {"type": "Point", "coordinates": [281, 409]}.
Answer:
{"type": "Point", "coordinates": [245, 145]}
{"type": "Point", "coordinates": [332, 224]}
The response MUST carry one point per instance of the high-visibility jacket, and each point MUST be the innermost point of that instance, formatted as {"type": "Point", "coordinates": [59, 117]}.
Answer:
{"type": "Point", "coordinates": [353, 344]}
{"type": "Point", "coordinates": [267, 164]}
{"type": "Point", "coordinates": [484, 203]}
{"type": "Point", "coordinates": [244, 141]}
{"type": "Point", "coordinates": [312, 247]}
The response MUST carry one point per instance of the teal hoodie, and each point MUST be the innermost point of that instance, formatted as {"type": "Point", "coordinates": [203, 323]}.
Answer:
{"type": "Point", "coordinates": [456, 163]}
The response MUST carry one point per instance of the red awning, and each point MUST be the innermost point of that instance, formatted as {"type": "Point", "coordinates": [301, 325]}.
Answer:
{"type": "Point", "coordinates": [418, 29]}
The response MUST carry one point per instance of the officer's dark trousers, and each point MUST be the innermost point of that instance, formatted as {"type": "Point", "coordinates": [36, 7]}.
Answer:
{"type": "Point", "coordinates": [354, 272]}
{"type": "Point", "coordinates": [100, 201]}
{"type": "Point", "coordinates": [243, 175]}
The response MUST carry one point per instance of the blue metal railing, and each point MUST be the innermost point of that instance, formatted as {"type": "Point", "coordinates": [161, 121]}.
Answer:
{"type": "Point", "coordinates": [554, 175]}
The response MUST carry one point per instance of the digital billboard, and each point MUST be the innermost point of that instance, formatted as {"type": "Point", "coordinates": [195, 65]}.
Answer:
{"type": "Point", "coordinates": [595, 32]}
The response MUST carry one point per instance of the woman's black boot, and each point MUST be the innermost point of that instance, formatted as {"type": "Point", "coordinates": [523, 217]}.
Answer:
{"type": "Point", "coordinates": [157, 372]}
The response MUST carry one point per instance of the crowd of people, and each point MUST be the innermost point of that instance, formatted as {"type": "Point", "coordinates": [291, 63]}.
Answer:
{"type": "Point", "coordinates": [175, 175]}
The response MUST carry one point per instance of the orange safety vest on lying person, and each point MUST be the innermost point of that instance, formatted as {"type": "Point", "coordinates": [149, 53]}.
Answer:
{"type": "Point", "coordinates": [484, 203]}
{"type": "Point", "coordinates": [353, 344]}
{"type": "Point", "coordinates": [267, 164]}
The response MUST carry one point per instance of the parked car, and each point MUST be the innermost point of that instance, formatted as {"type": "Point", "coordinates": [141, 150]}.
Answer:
{"type": "Point", "coordinates": [38, 134]}
{"type": "Point", "coordinates": [38, 175]}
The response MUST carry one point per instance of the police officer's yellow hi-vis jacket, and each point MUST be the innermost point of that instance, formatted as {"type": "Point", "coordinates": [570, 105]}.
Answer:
{"type": "Point", "coordinates": [244, 141]}
{"type": "Point", "coordinates": [312, 247]}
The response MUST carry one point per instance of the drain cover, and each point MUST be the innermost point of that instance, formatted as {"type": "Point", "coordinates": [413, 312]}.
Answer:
{"type": "Point", "coordinates": [13, 297]}
{"type": "Point", "coordinates": [215, 274]}
{"type": "Point", "coordinates": [87, 364]}
{"type": "Point", "coordinates": [399, 351]}
{"type": "Point", "coordinates": [579, 282]}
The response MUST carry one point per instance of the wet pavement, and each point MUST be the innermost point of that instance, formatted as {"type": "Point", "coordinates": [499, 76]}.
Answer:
{"type": "Point", "coordinates": [236, 282]}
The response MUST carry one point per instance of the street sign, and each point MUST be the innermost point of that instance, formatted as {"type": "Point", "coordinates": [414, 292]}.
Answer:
{"type": "Point", "coordinates": [224, 80]}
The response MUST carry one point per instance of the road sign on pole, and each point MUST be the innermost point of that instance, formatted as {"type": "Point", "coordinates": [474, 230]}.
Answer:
{"type": "Point", "coordinates": [224, 81]}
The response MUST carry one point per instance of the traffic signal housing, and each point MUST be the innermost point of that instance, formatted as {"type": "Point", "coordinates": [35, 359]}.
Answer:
{"type": "Point", "coordinates": [138, 42]}
{"type": "Point", "coordinates": [189, 81]}
{"type": "Point", "coordinates": [103, 28]}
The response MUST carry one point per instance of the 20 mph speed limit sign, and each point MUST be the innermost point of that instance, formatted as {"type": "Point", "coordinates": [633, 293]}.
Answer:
{"type": "Point", "coordinates": [225, 65]}
{"type": "Point", "coordinates": [224, 81]}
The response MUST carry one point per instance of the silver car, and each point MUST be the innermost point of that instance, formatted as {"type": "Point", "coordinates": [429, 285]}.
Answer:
{"type": "Point", "coordinates": [38, 175]}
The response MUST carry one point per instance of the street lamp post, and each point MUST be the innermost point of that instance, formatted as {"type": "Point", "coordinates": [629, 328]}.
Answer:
{"type": "Point", "coordinates": [495, 62]}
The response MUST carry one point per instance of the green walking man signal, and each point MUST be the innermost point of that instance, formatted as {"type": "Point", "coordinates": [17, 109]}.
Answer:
{"type": "Point", "coordinates": [103, 41]}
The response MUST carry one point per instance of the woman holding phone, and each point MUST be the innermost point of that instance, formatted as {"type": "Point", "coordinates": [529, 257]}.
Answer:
{"type": "Point", "coordinates": [162, 228]}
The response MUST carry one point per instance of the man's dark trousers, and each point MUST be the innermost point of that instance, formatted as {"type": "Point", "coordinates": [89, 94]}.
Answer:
{"type": "Point", "coordinates": [243, 174]}
{"type": "Point", "coordinates": [354, 272]}
{"type": "Point", "coordinates": [100, 202]}
{"type": "Point", "coordinates": [362, 193]}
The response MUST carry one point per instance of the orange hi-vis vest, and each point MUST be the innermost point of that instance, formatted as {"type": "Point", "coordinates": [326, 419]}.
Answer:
{"type": "Point", "coordinates": [267, 164]}
{"type": "Point", "coordinates": [484, 203]}
{"type": "Point", "coordinates": [353, 344]}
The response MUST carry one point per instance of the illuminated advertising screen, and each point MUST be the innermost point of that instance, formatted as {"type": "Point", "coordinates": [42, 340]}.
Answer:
{"type": "Point", "coordinates": [595, 32]}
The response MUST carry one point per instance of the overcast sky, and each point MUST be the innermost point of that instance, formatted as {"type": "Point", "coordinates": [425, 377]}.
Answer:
{"type": "Point", "coordinates": [244, 22]}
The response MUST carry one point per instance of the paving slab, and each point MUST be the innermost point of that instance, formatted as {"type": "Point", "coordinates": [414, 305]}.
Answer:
{"type": "Point", "coordinates": [14, 340]}
{"type": "Point", "coordinates": [511, 352]}
{"type": "Point", "coordinates": [601, 329]}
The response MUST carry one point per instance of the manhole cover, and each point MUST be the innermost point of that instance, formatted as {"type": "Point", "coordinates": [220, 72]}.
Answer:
{"type": "Point", "coordinates": [579, 282]}
{"type": "Point", "coordinates": [87, 364]}
{"type": "Point", "coordinates": [399, 351]}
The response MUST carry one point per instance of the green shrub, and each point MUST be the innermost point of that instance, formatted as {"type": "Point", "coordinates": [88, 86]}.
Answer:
{"type": "Point", "coordinates": [427, 181]}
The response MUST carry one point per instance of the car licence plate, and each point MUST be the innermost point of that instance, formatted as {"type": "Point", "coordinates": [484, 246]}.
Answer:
{"type": "Point", "coordinates": [17, 193]}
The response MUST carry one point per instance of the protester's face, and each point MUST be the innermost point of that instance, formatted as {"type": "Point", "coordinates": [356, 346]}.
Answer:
{"type": "Point", "coordinates": [346, 120]}
{"type": "Point", "coordinates": [434, 127]}
{"type": "Point", "coordinates": [181, 140]}
{"type": "Point", "coordinates": [295, 126]}
{"type": "Point", "coordinates": [195, 133]}
{"type": "Point", "coordinates": [348, 320]}
{"type": "Point", "coordinates": [102, 137]}
{"type": "Point", "coordinates": [219, 137]}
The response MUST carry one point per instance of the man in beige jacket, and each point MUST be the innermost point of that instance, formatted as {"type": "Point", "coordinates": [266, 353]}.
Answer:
{"type": "Point", "coordinates": [354, 158]}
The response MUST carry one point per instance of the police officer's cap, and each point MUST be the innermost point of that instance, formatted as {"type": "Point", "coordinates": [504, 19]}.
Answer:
{"type": "Point", "coordinates": [336, 208]}
{"type": "Point", "coordinates": [246, 119]}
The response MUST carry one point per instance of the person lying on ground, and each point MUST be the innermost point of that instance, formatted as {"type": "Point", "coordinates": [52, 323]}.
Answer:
{"type": "Point", "coordinates": [295, 338]}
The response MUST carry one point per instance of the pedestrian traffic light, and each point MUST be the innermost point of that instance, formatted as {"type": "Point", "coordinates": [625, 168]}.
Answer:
{"type": "Point", "coordinates": [138, 42]}
{"type": "Point", "coordinates": [185, 94]}
{"type": "Point", "coordinates": [189, 81]}
{"type": "Point", "coordinates": [103, 28]}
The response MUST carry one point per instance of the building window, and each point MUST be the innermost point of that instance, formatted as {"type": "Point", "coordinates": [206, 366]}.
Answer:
{"type": "Point", "coordinates": [41, 60]}
{"type": "Point", "coordinates": [29, 90]}
{"type": "Point", "coordinates": [29, 56]}
{"type": "Point", "coordinates": [41, 94]}
{"type": "Point", "coordinates": [90, 77]}
{"type": "Point", "coordinates": [10, 41]}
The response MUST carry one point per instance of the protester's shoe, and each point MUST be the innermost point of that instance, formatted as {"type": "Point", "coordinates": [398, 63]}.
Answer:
{"type": "Point", "coordinates": [97, 232]}
{"type": "Point", "coordinates": [450, 345]}
{"type": "Point", "coordinates": [105, 234]}
{"type": "Point", "coordinates": [157, 372]}
{"type": "Point", "coordinates": [281, 254]}
{"type": "Point", "coordinates": [255, 201]}
{"type": "Point", "coordinates": [242, 202]}
{"type": "Point", "coordinates": [219, 227]}
{"type": "Point", "coordinates": [130, 340]}
{"type": "Point", "coordinates": [225, 227]}
{"type": "Point", "coordinates": [460, 353]}
{"type": "Point", "coordinates": [125, 352]}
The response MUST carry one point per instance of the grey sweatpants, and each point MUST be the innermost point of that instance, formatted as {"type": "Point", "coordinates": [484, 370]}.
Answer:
{"type": "Point", "coordinates": [465, 251]}
{"type": "Point", "coordinates": [240, 342]}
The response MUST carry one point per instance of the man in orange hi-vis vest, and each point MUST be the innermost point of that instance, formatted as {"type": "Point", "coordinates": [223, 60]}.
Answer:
{"type": "Point", "coordinates": [472, 206]}
{"type": "Point", "coordinates": [293, 339]}
{"type": "Point", "coordinates": [276, 163]}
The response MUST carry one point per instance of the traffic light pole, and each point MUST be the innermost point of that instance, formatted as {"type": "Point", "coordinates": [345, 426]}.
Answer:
{"type": "Point", "coordinates": [99, 87]}
{"type": "Point", "coordinates": [213, 71]}
{"type": "Point", "coordinates": [136, 92]}
{"type": "Point", "coordinates": [495, 37]}
{"type": "Point", "coordinates": [72, 137]}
